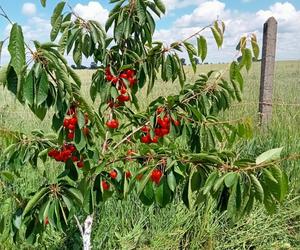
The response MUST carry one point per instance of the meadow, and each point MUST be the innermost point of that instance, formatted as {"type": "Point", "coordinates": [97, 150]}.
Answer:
{"type": "Point", "coordinates": [130, 225]}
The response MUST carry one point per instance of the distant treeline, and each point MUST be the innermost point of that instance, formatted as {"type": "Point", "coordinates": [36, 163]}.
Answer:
{"type": "Point", "coordinates": [93, 65]}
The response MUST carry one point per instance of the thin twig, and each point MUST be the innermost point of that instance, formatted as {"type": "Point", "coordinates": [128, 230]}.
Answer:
{"type": "Point", "coordinates": [105, 143]}
{"type": "Point", "coordinates": [78, 225]}
{"type": "Point", "coordinates": [128, 136]}
{"type": "Point", "coordinates": [11, 22]}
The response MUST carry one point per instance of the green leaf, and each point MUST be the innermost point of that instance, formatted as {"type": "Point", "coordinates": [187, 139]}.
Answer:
{"type": "Point", "coordinates": [234, 68]}
{"type": "Point", "coordinates": [163, 194]}
{"type": "Point", "coordinates": [141, 11]}
{"type": "Point", "coordinates": [76, 194]}
{"type": "Point", "coordinates": [255, 47]}
{"type": "Point", "coordinates": [202, 47]}
{"type": "Point", "coordinates": [43, 3]}
{"type": "Point", "coordinates": [29, 93]}
{"type": "Point", "coordinates": [16, 49]}
{"type": "Point", "coordinates": [209, 183]}
{"type": "Point", "coordinates": [270, 155]}
{"type": "Point", "coordinates": [282, 180]}
{"type": "Point", "coordinates": [218, 37]}
{"type": "Point", "coordinates": [231, 179]}
{"type": "Point", "coordinates": [44, 211]}
{"type": "Point", "coordinates": [42, 91]}
{"type": "Point", "coordinates": [57, 12]}
{"type": "Point", "coordinates": [160, 5]}
{"type": "Point", "coordinates": [171, 181]}
{"type": "Point", "coordinates": [247, 58]}
{"type": "Point", "coordinates": [232, 201]}
{"type": "Point", "coordinates": [259, 191]}
{"type": "Point", "coordinates": [191, 53]}
{"type": "Point", "coordinates": [168, 67]}
{"type": "Point", "coordinates": [187, 194]}
{"type": "Point", "coordinates": [35, 200]}
{"type": "Point", "coordinates": [56, 28]}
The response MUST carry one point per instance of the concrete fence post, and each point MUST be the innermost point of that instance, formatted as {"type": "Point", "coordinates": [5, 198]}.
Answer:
{"type": "Point", "coordinates": [267, 71]}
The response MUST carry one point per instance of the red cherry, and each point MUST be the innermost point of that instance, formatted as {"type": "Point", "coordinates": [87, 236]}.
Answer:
{"type": "Point", "coordinates": [71, 136]}
{"type": "Point", "coordinates": [166, 119]}
{"type": "Point", "coordinates": [58, 157]}
{"type": "Point", "coordinates": [158, 132]}
{"type": "Point", "coordinates": [80, 164]}
{"type": "Point", "coordinates": [66, 123]}
{"type": "Point", "coordinates": [73, 121]}
{"type": "Point", "coordinates": [105, 185]}
{"type": "Point", "coordinates": [146, 139]}
{"type": "Point", "coordinates": [156, 175]}
{"type": "Point", "coordinates": [164, 131]}
{"type": "Point", "coordinates": [109, 78]}
{"type": "Point", "coordinates": [176, 123]}
{"type": "Point", "coordinates": [115, 80]}
{"type": "Point", "coordinates": [163, 123]}
{"type": "Point", "coordinates": [155, 139]}
{"type": "Point", "coordinates": [127, 175]}
{"type": "Point", "coordinates": [123, 98]}
{"type": "Point", "coordinates": [74, 158]}
{"type": "Point", "coordinates": [71, 127]}
{"type": "Point", "coordinates": [145, 129]}
{"type": "Point", "coordinates": [72, 148]}
{"type": "Point", "coordinates": [123, 90]}
{"type": "Point", "coordinates": [113, 174]}
{"type": "Point", "coordinates": [113, 124]}
{"type": "Point", "coordinates": [130, 72]}
{"type": "Point", "coordinates": [53, 153]}
{"type": "Point", "coordinates": [123, 75]}
{"type": "Point", "coordinates": [131, 81]}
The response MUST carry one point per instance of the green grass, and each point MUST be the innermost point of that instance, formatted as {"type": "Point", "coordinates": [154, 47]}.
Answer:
{"type": "Point", "coordinates": [130, 225]}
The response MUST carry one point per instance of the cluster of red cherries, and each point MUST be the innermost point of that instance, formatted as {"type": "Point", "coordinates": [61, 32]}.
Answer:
{"type": "Point", "coordinates": [162, 129]}
{"type": "Point", "coordinates": [118, 81]}
{"type": "Point", "coordinates": [68, 151]}
{"type": "Point", "coordinates": [70, 123]}
{"type": "Point", "coordinates": [155, 177]}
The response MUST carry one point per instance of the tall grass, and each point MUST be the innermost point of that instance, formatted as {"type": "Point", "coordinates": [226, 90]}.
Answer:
{"type": "Point", "coordinates": [130, 225]}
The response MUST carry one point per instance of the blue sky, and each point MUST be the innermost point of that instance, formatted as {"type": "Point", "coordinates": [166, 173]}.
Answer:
{"type": "Point", "coordinates": [182, 18]}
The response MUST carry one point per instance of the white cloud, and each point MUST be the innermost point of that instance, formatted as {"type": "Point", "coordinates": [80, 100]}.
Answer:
{"type": "Point", "coordinates": [237, 24]}
{"type": "Point", "coordinates": [205, 13]}
{"type": "Point", "coordinates": [28, 9]}
{"type": "Point", "coordinates": [92, 11]}
{"type": "Point", "coordinates": [176, 4]}
{"type": "Point", "coordinates": [37, 28]}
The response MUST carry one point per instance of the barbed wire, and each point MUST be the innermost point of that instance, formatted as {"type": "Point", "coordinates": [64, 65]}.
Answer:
{"type": "Point", "coordinates": [266, 103]}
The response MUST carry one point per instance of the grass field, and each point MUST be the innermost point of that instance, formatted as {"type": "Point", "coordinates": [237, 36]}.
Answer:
{"type": "Point", "coordinates": [130, 225]}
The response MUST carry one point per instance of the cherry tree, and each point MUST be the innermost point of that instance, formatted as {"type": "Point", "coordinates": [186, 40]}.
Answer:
{"type": "Point", "coordinates": [178, 145]}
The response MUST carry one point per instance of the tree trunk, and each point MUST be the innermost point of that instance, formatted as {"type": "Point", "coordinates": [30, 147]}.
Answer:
{"type": "Point", "coordinates": [86, 231]}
